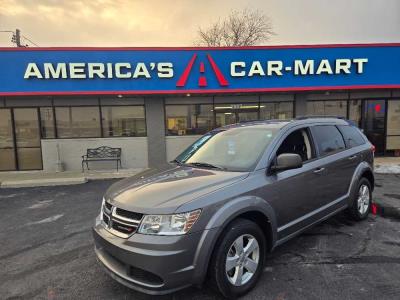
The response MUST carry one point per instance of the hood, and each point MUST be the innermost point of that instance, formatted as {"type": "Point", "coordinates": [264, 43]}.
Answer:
{"type": "Point", "coordinates": [163, 190]}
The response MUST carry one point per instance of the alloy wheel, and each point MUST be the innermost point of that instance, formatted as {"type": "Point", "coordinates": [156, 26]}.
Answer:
{"type": "Point", "coordinates": [363, 200]}
{"type": "Point", "coordinates": [242, 260]}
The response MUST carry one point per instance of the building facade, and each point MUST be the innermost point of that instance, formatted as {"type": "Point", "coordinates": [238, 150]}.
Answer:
{"type": "Point", "coordinates": [153, 103]}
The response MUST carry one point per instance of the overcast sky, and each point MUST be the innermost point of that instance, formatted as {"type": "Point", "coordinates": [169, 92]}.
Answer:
{"type": "Point", "coordinates": [175, 22]}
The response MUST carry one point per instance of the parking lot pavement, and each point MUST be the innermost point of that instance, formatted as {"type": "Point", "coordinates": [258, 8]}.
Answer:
{"type": "Point", "coordinates": [47, 251]}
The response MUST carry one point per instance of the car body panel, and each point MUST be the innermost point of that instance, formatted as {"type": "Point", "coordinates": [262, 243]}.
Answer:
{"type": "Point", "coordinates": [163, 192]}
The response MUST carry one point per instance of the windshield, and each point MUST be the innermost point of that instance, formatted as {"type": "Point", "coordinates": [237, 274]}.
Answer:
{"type": "Point", "coordinates": [236, 149]}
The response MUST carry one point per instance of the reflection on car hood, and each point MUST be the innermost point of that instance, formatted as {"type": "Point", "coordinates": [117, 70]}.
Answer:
{"type": "Point", "coordinates": [164, 189]}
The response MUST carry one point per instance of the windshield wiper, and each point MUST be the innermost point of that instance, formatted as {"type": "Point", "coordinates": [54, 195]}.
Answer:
{"type": "Point", "coordinates": [177, 161]}
{"type": "Point", "coordinates": [206, 165]}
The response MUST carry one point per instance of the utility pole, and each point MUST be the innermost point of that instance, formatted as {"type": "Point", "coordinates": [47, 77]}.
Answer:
{"type": "Point", "coordinates": [18, 38]}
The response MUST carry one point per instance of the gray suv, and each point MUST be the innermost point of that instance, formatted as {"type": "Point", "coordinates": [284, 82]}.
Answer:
{"type": "Point", "coordinates": [232, 196]}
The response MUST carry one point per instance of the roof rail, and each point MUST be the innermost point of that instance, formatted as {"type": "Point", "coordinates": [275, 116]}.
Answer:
{"type": "Point", "coordinates": [318, 116]}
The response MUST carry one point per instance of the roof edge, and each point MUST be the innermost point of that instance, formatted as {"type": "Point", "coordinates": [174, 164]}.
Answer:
{"type": "Point", "coordinates": [186, 48]}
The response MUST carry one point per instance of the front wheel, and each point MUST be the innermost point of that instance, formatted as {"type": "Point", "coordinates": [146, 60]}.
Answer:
{"type": "Point", "coordinates": [238, 259]}
{"type": "Point", "coordinates": [361, 200]}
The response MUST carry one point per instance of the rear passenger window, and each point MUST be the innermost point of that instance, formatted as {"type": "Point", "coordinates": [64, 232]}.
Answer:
{"type": "Point", "coordinates": [328, 139]}
{"type": "Point", "coordinates": [352, 137]}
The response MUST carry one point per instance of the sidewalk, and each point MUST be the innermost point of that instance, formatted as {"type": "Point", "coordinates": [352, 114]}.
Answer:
{"type": "Point", "coordinates": [18, 179]}
{"type": "Point", "coordinates": [387, 165]}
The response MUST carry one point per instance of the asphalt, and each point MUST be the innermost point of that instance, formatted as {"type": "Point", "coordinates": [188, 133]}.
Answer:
{"type": "Point", "coordinates": [47, 252]}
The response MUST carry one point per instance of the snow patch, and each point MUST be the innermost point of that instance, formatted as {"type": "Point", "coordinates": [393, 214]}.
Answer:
{"type": "Point", "coordinates": [47, 220]}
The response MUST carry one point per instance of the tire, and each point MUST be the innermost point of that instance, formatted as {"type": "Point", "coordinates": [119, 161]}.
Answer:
{"type": "Point", "coordinates": [228, 283]}
{"type": "Point", "coordinates": [360, 208]}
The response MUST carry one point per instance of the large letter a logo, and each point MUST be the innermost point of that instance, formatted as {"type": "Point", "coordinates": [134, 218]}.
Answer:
{"type": "Point", "coordinates": [202, 78]}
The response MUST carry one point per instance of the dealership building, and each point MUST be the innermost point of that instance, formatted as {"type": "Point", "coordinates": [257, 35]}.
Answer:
{"type": "Point", "coordinates": [55, 103]}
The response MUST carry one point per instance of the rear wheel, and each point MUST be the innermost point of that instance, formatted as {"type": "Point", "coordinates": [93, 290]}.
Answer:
{"type": "Point", "coordinates": [238, 259]}
{"type": "Point", "coordinates": [361, 200]}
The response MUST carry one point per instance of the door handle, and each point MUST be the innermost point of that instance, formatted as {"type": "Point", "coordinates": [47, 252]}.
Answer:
{"type": "Point", "coordinates": [352, 157]}
{"type": "Point", "coordinates": [319, 170]}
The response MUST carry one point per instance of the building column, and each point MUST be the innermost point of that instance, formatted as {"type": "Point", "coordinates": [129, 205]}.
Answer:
{"type": "Point", "coordinates": [300, 102]}
{"type": "Point", "coordinates": [155, 123]}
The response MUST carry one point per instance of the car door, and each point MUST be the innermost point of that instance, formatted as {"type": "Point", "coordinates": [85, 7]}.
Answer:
{"type": "Point", "coordinates": [291, 193]}
{"type": "Point", "coordinates": [334, 167]}
{"type": "Point", "coordinates": [352, 138]}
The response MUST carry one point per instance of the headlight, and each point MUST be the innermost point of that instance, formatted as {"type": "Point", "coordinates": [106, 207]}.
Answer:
{"type": "Point", "coordinates": [169, 224]}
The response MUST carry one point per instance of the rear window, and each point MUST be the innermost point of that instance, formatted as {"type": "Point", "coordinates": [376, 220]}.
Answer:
{"type": "Point", "coordinates": [328, 139]}
{"type": "Point", "coordinates": [352, 136]}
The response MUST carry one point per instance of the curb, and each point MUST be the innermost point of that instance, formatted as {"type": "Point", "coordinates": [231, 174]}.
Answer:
{"type": "Point", "coordinates": [42, 182]}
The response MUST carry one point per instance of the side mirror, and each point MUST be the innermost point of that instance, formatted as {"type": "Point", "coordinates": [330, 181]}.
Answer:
{"type": "Point", "coordinates": [287, 161]}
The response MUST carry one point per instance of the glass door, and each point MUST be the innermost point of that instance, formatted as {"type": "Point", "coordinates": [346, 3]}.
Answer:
{"type": "Point", "coordinates": [7, 153]}
{"type": "Point", "coordinates": [27, 136]}
{"type": "Point", "coordinates": [374, 123]}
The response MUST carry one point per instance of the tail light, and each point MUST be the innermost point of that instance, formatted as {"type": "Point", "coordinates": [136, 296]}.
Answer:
{"type": "Point", "coordinates": [373, 149]}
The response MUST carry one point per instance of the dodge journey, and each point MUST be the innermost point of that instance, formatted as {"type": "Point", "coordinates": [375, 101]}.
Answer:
{"type": "Point", "coordinates": [239, 191]}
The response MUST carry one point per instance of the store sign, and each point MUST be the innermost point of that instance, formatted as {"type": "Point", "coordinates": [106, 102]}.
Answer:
{"type": "Point", "coordinates": [197, 70]}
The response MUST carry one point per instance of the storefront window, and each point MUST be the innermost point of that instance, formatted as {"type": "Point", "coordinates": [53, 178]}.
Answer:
{"type": "Point", "coordinates": [27, 135]}
{"type": "Point", "coordinates": [226, 114]}
{"type": "Point", "coordinates": [47, 123]}
{"type": "Point", "coordinates": [327, 108]}
{"type": "Point", "coordinates": [123, 121]}
{"type": "Point", "coordinates": [276, 110]}
{"type": "Point", "coordinates": [189, 119]}
{"type": "Point", "coordinates": [355, 112]}
{"type": "Point", "coordinates": [393, 125]}
{"type": "Point", "coordinates": [74, 122]}
{"type": "Point", "coordinates": [7, 158]}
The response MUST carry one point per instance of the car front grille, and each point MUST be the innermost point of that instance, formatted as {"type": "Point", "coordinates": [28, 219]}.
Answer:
{"type": "Point", "coordinates": [120, 222]}
{"type": "Point", "coordinates": [128, 214]}
{"type": "Point", "coordinates": [108, 205]}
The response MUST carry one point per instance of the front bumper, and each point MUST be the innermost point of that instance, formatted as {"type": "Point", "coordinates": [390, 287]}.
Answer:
{"type": "Point", "coordinates": [151, 264]}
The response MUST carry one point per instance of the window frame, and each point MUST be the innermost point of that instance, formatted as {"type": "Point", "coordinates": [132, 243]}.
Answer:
{"type": "Point", "coordinates": [57, 136]}
{"type": "Point", "coordinates": [79, 137]}
{"type": "Point", "coordinates": [317, 147]}
{"type": "Point", "coordinates": [275, 103]}
{"type": "Point", "coordinates": [347, 108]}
{"type": "Point", "coordinates": [110, 105]}
{"type": "Point", "coordinates": [314, 155]}
{"type": "Point", "coordinates": [345, 140]}
{"type": "Point", "coordinates": [213, 119]}
{"type": "Point", "coordinates": [54, 124]}
{"type": "Point", "coordinates": [272, 158]}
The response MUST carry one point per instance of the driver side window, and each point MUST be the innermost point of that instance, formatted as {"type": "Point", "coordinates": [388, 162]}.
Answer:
{"type": "Point", "coordinates": [298, 142]}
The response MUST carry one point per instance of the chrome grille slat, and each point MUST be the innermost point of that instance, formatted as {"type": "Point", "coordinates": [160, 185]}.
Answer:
{"type": "Point", "coordinates": [106, 210]}
{"type": "Point", "coordinates": [120, 225]}
{"type": "Point", "coordinates": [127, 224]}
{"type": "Point", "coordinates": [114, 214]}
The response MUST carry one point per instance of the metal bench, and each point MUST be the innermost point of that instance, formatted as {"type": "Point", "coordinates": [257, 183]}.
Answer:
{"type": "Point", "coordinates": [103, 153]}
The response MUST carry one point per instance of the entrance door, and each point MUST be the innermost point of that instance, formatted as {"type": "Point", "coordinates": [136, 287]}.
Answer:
{"type": "Point", "coordinates": [374, 123]}
{"type": "Point", "coordinates": [226, 114]}
{"type": "Point", "coordinates": [27, 136]}
{"type": "Point", "coordinates": [7, 153]}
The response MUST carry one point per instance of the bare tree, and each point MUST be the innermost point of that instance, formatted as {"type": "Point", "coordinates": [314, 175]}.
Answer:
{"type": "Point", "coordinates": [245, 28]}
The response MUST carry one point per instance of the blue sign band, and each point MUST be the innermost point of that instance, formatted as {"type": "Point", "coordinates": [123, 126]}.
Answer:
{"type": "Point", "coordinates": [197, 70]}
